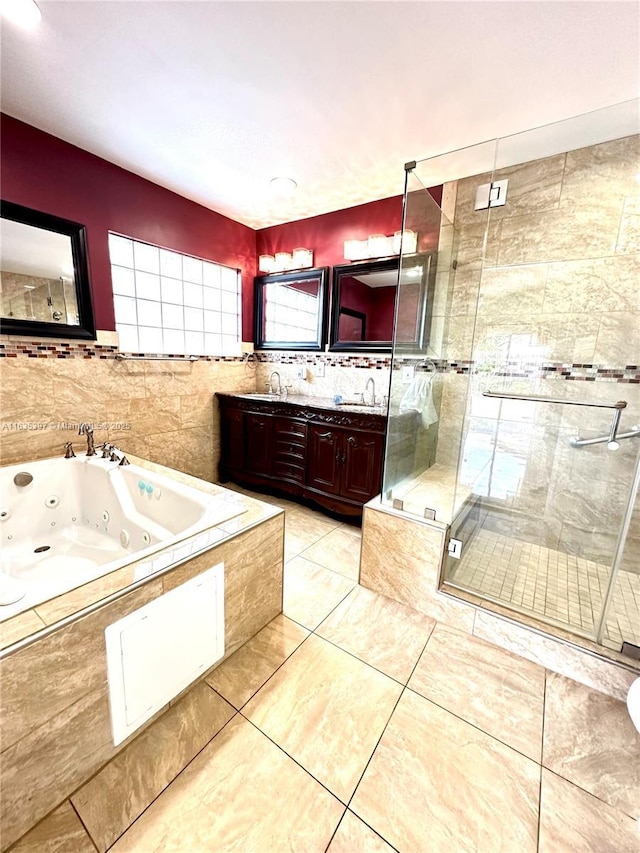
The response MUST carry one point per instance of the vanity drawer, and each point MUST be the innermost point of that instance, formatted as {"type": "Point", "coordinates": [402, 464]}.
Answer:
{"type": "Point", "coordinates": [290, 451]}
{"type": "Point", "coordinates": [289, 471]}
{"type": "Point", "coordinates": [290, 430]}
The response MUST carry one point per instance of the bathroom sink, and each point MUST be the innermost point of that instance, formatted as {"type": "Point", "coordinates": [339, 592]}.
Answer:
{"type": "Point", "coordinates": [258, 395]}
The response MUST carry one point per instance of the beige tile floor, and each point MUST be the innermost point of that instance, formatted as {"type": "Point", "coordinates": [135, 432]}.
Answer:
{"type": "Point", "coordinates": [542, 581]}
{"type": "Point", "coordinates": [361, 725]}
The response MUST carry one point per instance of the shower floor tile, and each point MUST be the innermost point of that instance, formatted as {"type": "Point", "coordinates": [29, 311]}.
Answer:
{"type": "Point", "coordinates": [552, 584]}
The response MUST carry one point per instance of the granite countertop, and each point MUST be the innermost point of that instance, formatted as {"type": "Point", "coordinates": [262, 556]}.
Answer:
{"type": "Point", "coordinates": [325, 403]}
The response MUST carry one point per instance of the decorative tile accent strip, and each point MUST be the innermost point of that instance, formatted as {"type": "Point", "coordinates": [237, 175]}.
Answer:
{"type": "Point", "coordinates": [59, 349]}
{"type": "Point", "coordinates": [369, 361]}
{"type": "Point", "coordinates": [577, 372]}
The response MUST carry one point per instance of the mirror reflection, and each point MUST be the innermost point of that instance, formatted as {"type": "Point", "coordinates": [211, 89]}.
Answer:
{"type": "Point", "coordinates": [363, 304]}
{"type": "Point", "coordinates": [290, 310]}
{"type": "Point", "coordinates": [44, 279]}
{"type": "Point", "coordinates": [37, 279]}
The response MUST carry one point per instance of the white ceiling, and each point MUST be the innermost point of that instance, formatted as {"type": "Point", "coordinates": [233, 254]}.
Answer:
{"type": "Point", "coordinates": [213, 99]}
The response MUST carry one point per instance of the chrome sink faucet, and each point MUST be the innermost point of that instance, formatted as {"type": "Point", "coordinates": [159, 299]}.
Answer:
{"type": "Point", "coordinates": [272, 387]}
{"type": "Point", "coordinates": [87, 429]}
{"type": "Point", "coordinates": [371, 382]}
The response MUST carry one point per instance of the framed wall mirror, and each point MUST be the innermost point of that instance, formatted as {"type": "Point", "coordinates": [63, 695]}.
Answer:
{"type": "Point", "coordinates": [44, 275]}
{"type": "Point", "coordinates": [290, 310]}
{"type": "Point", "coordinates": [363, 303]}
{"type": "Point", "coordinates": [363, 297]}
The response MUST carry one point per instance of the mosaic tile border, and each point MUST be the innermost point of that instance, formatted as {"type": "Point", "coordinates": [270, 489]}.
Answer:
{"type": "Point", "coordinates": [577, 372]}
{"type": "Point", "coordinates": [370, 361]}
{"type": "Point", "coordinates": [76, 350]}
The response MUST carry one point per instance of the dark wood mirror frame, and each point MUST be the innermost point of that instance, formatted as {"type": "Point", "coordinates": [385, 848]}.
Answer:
{"type": "Point", "coordinates": [339, 311]}
{"type": "Point", "coordinates": [86, 326]}
{"type": "Point", "coordinates": [319, 274]}
{"type": "Point", "coordinates": [413, 310]}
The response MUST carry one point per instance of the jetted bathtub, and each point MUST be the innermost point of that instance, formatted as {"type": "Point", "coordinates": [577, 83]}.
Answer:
{"type": "Point", "coordinates": [78, 519]}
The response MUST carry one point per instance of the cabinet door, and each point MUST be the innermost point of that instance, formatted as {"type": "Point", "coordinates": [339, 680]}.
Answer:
{"type": "Point", "coordinates": [258, 443]}
{"type": "Point", "coordinates": [362, 469]}
{"type": "Point", "coordinates": [232, 444]}
{"type": "Point", "coordinates": [324, 455]}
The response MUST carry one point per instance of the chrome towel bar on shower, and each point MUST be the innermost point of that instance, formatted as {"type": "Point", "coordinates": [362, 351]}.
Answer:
{"type": "Point", "coordinates": [610, 439]}
{"type": "Point", "coordinates": [621, 404]}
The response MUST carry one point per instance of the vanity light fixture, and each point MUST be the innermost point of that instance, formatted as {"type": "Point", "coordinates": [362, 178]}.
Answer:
{"type": "Point", "coordinates": [299, 259]}
{"type": "Point", "coordinates": [266, 263]}
{"type": "Point", "coordinates": [356, 250]}
{"type": "Point", "coordinates": [283, 261]}
{"type": "Point", "coordinates": [23, 13]}
{"type": "Point", "coordinates": [380, 246]}
{"type": "Point", "coordinates": [406, 239]}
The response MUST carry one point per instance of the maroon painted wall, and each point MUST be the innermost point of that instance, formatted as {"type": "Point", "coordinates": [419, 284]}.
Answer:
{"type": "Point", "coordinates": [47, 174]}
{"type": "Point", "coordinates": [383, 301]}
{"type": "Point", "coordinates": [40, 171]}
{"type": "Point", "coordinates": [325, 234]}
{"type": "Point", "coordinates": [376, 303]}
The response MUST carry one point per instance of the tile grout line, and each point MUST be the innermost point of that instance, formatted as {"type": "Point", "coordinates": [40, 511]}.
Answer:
{"type": "Point", "coordinates": [544, 717]}
{"type": "Point", "coordinates": [295, 761]}
{"type": "Point", "coordinates": [590, 794]}
{"type": "Point", "coordinates": [82, 823]}
{"type": "Point", "coordinates": [177, 776]}
{"type": "Point", "coordinates": [473, 726]}
{"type": "Point", "coordinates": [277, 669]}
{"type": "Point", "coordinates": [357, 817]}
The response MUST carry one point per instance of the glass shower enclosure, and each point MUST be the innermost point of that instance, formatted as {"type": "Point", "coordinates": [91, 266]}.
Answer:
{"type": "Point", "coordinates": [515, 414]}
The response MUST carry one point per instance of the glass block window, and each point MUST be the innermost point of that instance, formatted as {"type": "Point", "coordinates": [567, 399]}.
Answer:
{"type": "Point", "coordinates": [173, 304]}
{"type": "Point", "coordinates": [291, 314]}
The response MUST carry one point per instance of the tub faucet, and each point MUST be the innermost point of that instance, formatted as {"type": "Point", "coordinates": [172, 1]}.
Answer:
{"type": "Point", "coordinates": [68, 451]}
{"type": "Point", "coordinates": [87, 429]}
{"type": "Point", "coordinates": [371, 382]}
{"type": "Point", "coordinates": [272, 386]}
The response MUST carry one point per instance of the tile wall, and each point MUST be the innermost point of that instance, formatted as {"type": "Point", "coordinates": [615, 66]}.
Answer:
{"type": "Point", "coordinates": [402, 558]}
{"type": "Point", "coordinates": [550, 305]}
{"type": "Point", "coordinates": [158, 410]}
{"type": "Point", "coordinates": [345, 374]}
{"type": "Point", "coordinates": [55, 730]}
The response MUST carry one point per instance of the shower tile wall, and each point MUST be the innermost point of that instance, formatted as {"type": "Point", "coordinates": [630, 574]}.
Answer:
{"type": "Point", "coordinates": [554, 291]}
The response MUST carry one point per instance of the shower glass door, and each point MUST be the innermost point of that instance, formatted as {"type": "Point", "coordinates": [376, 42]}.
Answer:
{"type": "Point", "coordinates": [550, 425]}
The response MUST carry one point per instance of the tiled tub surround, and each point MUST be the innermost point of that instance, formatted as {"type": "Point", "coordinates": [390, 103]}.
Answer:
{"type": "Point", "coordinates": [158, 410]}
{"type": "Point", "coordinates": [55, 728]}
{"type": "Point", "coordinates": [98, 517]}
{"type": "Point", "coordinates": [539, 762]}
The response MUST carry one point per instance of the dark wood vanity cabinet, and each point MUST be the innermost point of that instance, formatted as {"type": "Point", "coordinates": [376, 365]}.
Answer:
{"type": "Point", "coordinates": [329, 456]}
{"type": "Point", "coordinates": [345, 462]}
